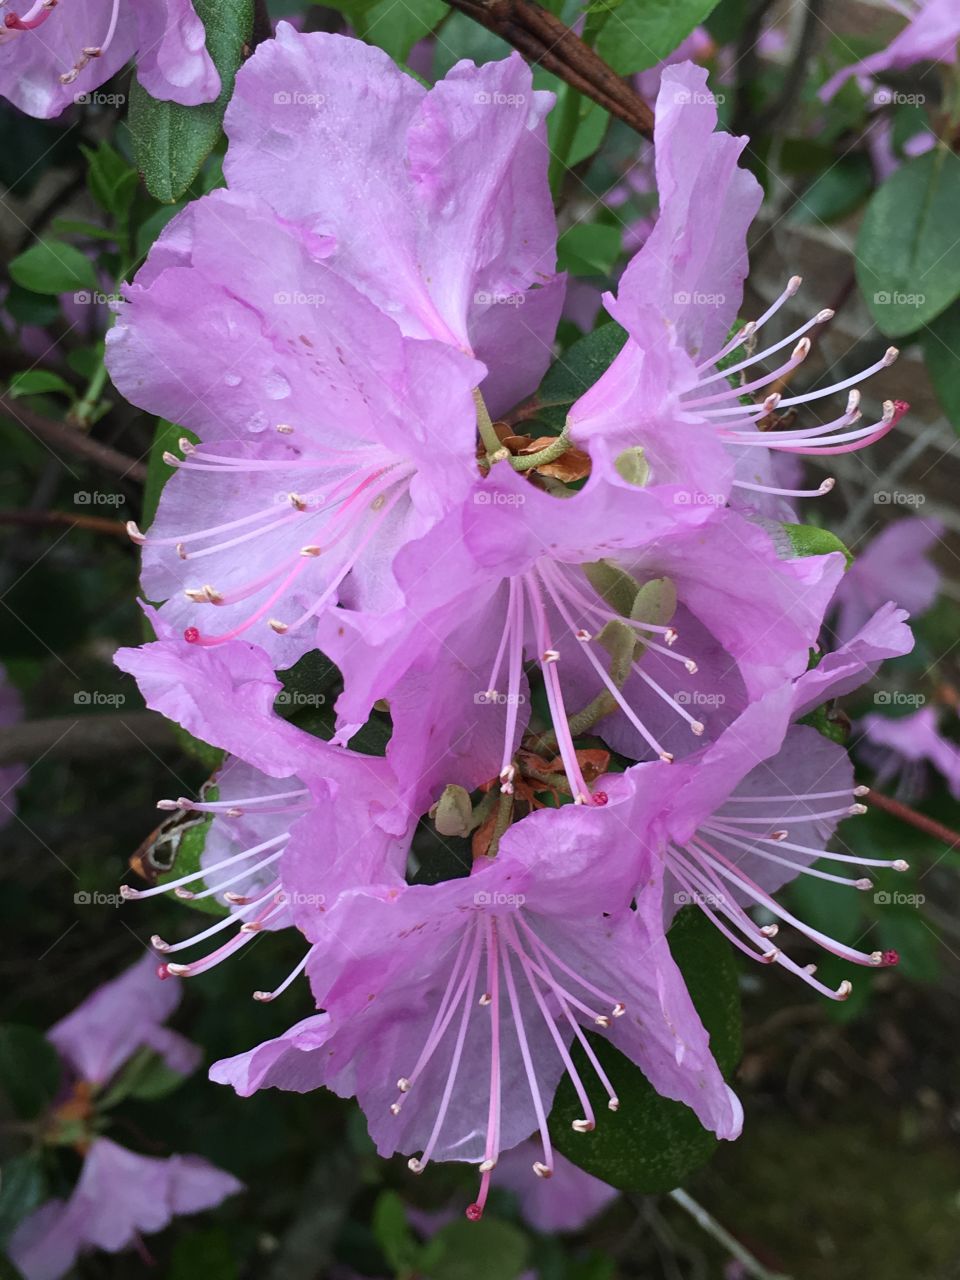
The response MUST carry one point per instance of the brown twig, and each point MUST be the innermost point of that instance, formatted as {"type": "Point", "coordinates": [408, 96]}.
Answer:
{"type": "Point", "coordinates": [929, 826]}
{"type": "Point", "coordinates": [59, 435]}
{"type": "Point", "coordinates": [96, 524]}
{"type": "Point", "coordinates": [543, 39]}
{"type": "Point", "coordinates": [72, 737]}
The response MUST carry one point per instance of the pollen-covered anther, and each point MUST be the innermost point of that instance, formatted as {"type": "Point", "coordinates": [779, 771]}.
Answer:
{"type": "Point", "coordinates": [801, 350]}
{"type": "Point", "coordinates": [485, 1000]}
{"type": "Point", "coordinates": [613, 1104]}
{"type": "Point", "coordinates": [619, 1009]}
{"type": "Point", "coordinates": [602, 1020]}
{"type": "Point", "coordinates": [666, 757]}
{"type": "Point", "coordinates": [769, 930]}
{"type": "Point", "coordinates": [158, 943]}
{"type": "Point", "coordinates": [311, 550]}
{"type": "Point", "coordinates": [170, 459]}
{"type": "Point", "coordinates": [857, 809]}
{"type": "Point", "coordinates": [864, 884]}
{"type": "Point", "coordinates": [234, 897]}
{"type": "Point", "coordinates": [844, 989]}
{"type": "Point", "coordinates": [178, 970]}
{"type": "Point", "coordinates": [284, 428]}
{"type": "Point", "coordinates": [377, 503]}
{"type": "Point", "coordinates": [901, 865]}
{"type": "Point", "coordinates": [542, 1170]}
{"type": "Point", "coordinates": [770, 956]}
{"type": "Point", "coordinates": [584, 636]}
{"type": "Point", "coordinates": [550, 655]}
{"type": "Point", "coordinates": [184, 894]}
{"type": "Point", "coordinates": [876, 958]}
{"type": "Point", "coordinates": [779, 835]}
{"type": "Point", "coordinates": [134, 534]}
{"type": "Point", "coordinates": [297, 502]}
{"type": "Point", "coordinates": [128, 893]}
{"type": "Point", "coordinates": [890, 355]}
{"type": "Point", "coordinates": [582, 1126]}
{"type": "Point", "coordinates": [395, 1108]}
{"type": "Point", "coordinates": [279, 627]}
{"type": "Point", "coordinates": [486, 1166]}
{"type": "Point", "coordinates": [403, 1084]}
{"type": "Point", "coordinates": [670, 637]}
{"type": "Point", "coordinates": [251, 926]}
{"type": "Point", "coordinates": [772, 401]}
{"type": "Point", "coordinates": [414, 1165]}
{"type": "Point", "coordinates": [169, 806]}
{"type": "Point", "coordinates": [181, 551]}
{"type": "Point", "coordinates": [697, 727]}
{"type": "Point", "coordinates": [827, 485]}
{"type": "Point", "coordinates": [861, 791]}
{"type": "Point", "coordinates": [691, 666]}
{"type": "Point", "coordinates": [234, 812]}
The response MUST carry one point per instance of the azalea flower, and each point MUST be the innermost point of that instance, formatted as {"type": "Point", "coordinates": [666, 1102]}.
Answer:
{"type": "Point", "coordinates": [119, 1193]}
{"type": "Point", "coordinates": [55, 54]}
{"type": "Point", "coordinates": [931, 34]}
{"type": "Point", "coordinates": [450, 1010]}
{"type": "Point", "coordinates": [901, 748]}
{"type": "Point", "coordinates": [253, 803]}
{"type": "Point", "coordinates": [758, 808]}
{"type": "Point", "coordinates": [669, 390]}
{"type": "Point", "coordinates": [893, 565]}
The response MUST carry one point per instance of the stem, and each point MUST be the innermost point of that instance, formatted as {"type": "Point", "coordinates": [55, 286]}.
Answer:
{"type": "Point", "coordinates": [555, 450]}
{"type": "Point", "coordinates": [567, 124]}
{"type": "Point", "coordinates": [84, 408]}
{"type": "Point", "coordinates": [489, 437]}
{"type": "Point", "coordinates": [929, 826]}
{"type": "Point", "coordinates": [96, 524]}
{"type": "Point", "coordinates": [543, 39]}
{"type": "Point", "coordinates": [58, 434]}
{"type": "Point", "coordinates": [706, 1222]}
{"type": "Point", "coordinates": [83, 737]}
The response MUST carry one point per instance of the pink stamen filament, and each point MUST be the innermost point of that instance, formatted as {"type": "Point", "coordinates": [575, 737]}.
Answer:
{"type": "Point", "coordinates": [240, 805]}
{"type": "Point", "coordinates": [266, 996]}
{"type": "Point", "coordinates": [793, 284]}
{"type": "Point", "coordinates": [895, 864]}
{"type": "Point", "coordinates": [528, 1067]}
{"type": "Point", "coordinates": [127, 891]}
{"type": "Point", "coordinates": [820, 318]}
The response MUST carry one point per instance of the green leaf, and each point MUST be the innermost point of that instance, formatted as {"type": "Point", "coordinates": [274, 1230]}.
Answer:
{"type": "Point", "coordinates": [810, 540]}
{"type": "Point", "coordinates": [632, 35]}
{"type": "Point", "coordinates": [485, 1250]}
{"type": "Point", "coordinates": [112, 181]}
{"type": "Point", "coordinates": [396, 28]}
{"type": "Point", "coordinates": [589, 249]}
{"type": "Point", "coordinates": [29, 1070]}
{"type": "Point", "coordinates": [26, 307]}
{"type": "Point", "coordinates": [35, 382]}
{"type": "Point", "coordinates": [171, 142]}
{"type": "Point", "coordinates": [22, 1189]}
{"type": "Point", "coordinates": [203, 1253]}
{"type": "Point", "coordinates": [908, 253]}
{"type": "Point", "coordinates": [52, 266]}
{"type": "Point", "coordinates": [191, 840]}
{"type": "Point", "coordinates": [144, 1076]}
{"type": "Point", "coordinates": [393, 1234]}
{"type": "Point", "coordinates": [835, 191]}
{"type": "Point", "coordinates": [941, 350]}
{"type": "Point", "coordinates": [652, 1143]}
{"type": "Point", "coordinates": [576, 371]}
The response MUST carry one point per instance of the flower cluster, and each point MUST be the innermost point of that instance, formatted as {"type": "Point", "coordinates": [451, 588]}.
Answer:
{"type": "Point", "coordinates": [594, 647]}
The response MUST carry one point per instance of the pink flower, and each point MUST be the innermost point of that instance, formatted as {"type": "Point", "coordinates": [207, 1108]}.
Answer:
{"type": "Point", "coordinates": [906, 744]}
{"type": "Point", "coordinates": [930, 35]}
{"type": "Point", "coordinates": [679, 300]}
{"type": "Point", "coordinates": [450, 1009]}
{"type": "Point", "coordinates": [53, 55]}
{"type": "Point", "coordinates": [119, 1194]}
{"type": "Point", "coordinates": [894, 565]}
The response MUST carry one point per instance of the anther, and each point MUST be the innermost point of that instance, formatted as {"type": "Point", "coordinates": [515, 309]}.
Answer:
{"type": "Point", "coordinates": [827, 485]}
{"type": "Point", "coordinates": [186, 446]}
{"type": "Point", "coordinates": [414, 1165]}
{"type": "Point", "coordinates": [876, 958]}
{"type": "Point", "coordinates": [298, 503]}
{"type": "Point", "coordinates": [844, 989]}
{"type": "Point", "coordinates": [251, 926]}
{"type": "Point", "coordinates": [134, 534]}
{"type": "Point", "coordinates": [181, 551]}
{"type": "Point", "coordinates": [864, 883]}
{"type": "Point", "coordinates": [770, 956]}
{"type": "Point", "coordinates": [691, 666]}
{"type": "Point", "coordinates": [666, 757]}
{"type": "Point", "coordinates": [403, 1084]}
{"type": "Point", "coordinates": [769, 930]}
{"type": "Point", "coordinates": [857, 809]}
{"type": "Point", "coordinates": [487, 1165]}
{"type": "Point", "coordinates": [285, 429]}
{"type": "Point", "coordinates": [613, 1104]}
{"type": "Point", "coordinates": [901, 865]}
{"type": "Point", "coordinates": [542, 1170]}
{"type": "Point", "coordinates": [697, 727]}
{"type": "Point", "coordinates": [550, 655]}
{"type": "Point", "coordinates": [311, 551]}
{"type": "Point", "coordinates": [772, 401]}
{"type": "Point", "coordinates": [801, 350]}
{"type": "Point", "coordinates": [158, 943]}
{"type": "Point", "coordinates": [584, 636]}
{"type": "Point", "coordinates": [485, 999]}
{"type": "Point", "coordinates": [178, 970]}
{"type": "Point", "coordinates": [582, 1126]}
{"type": "Point", "coordinates": [861, 791]}
{"type": "Point", "coordinates": [779, 835]}
{"type": "Point", "coordinates": [890, 355]}
{"type": "Point", "coordinates": [823, 316]}
{"type": "Point", "coordinates": [619, 1009]}
{"type": "Point", "coordinates": [602, 1020]}
{"type": "Point", "coordinates": [395, 1108]}
{"type": "Point", "coordinates": [279, 627]}
{"type": "Point", "coordinates": [263, 997]}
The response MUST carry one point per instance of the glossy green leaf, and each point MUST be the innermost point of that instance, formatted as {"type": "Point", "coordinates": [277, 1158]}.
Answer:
{"type": "Point", "coordinates": [652, 1143]}
{"type": "Point", "coordinates": [632, 35]}
{"type": "Point", "coordinates": [22, 1189]}
{"type": "Point", "coordinates": [908, 251]}
{"type": "Point", "coordinates": [53, 266]}
{"type": "Point", "coordinates": [35, 382]}
{"type": "Point", "coordinates": [576, 371]}
{"type": "Point", "coordinates": [485, 1250]}
{"type": "Point", "coordinates": [941, 350]}
{"type": "Point", "coordinates": [589, 249]}
{"type": "Point", "coordinates": [171, 142]}
{"type": "Point", "coordinates": [810, 540]}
